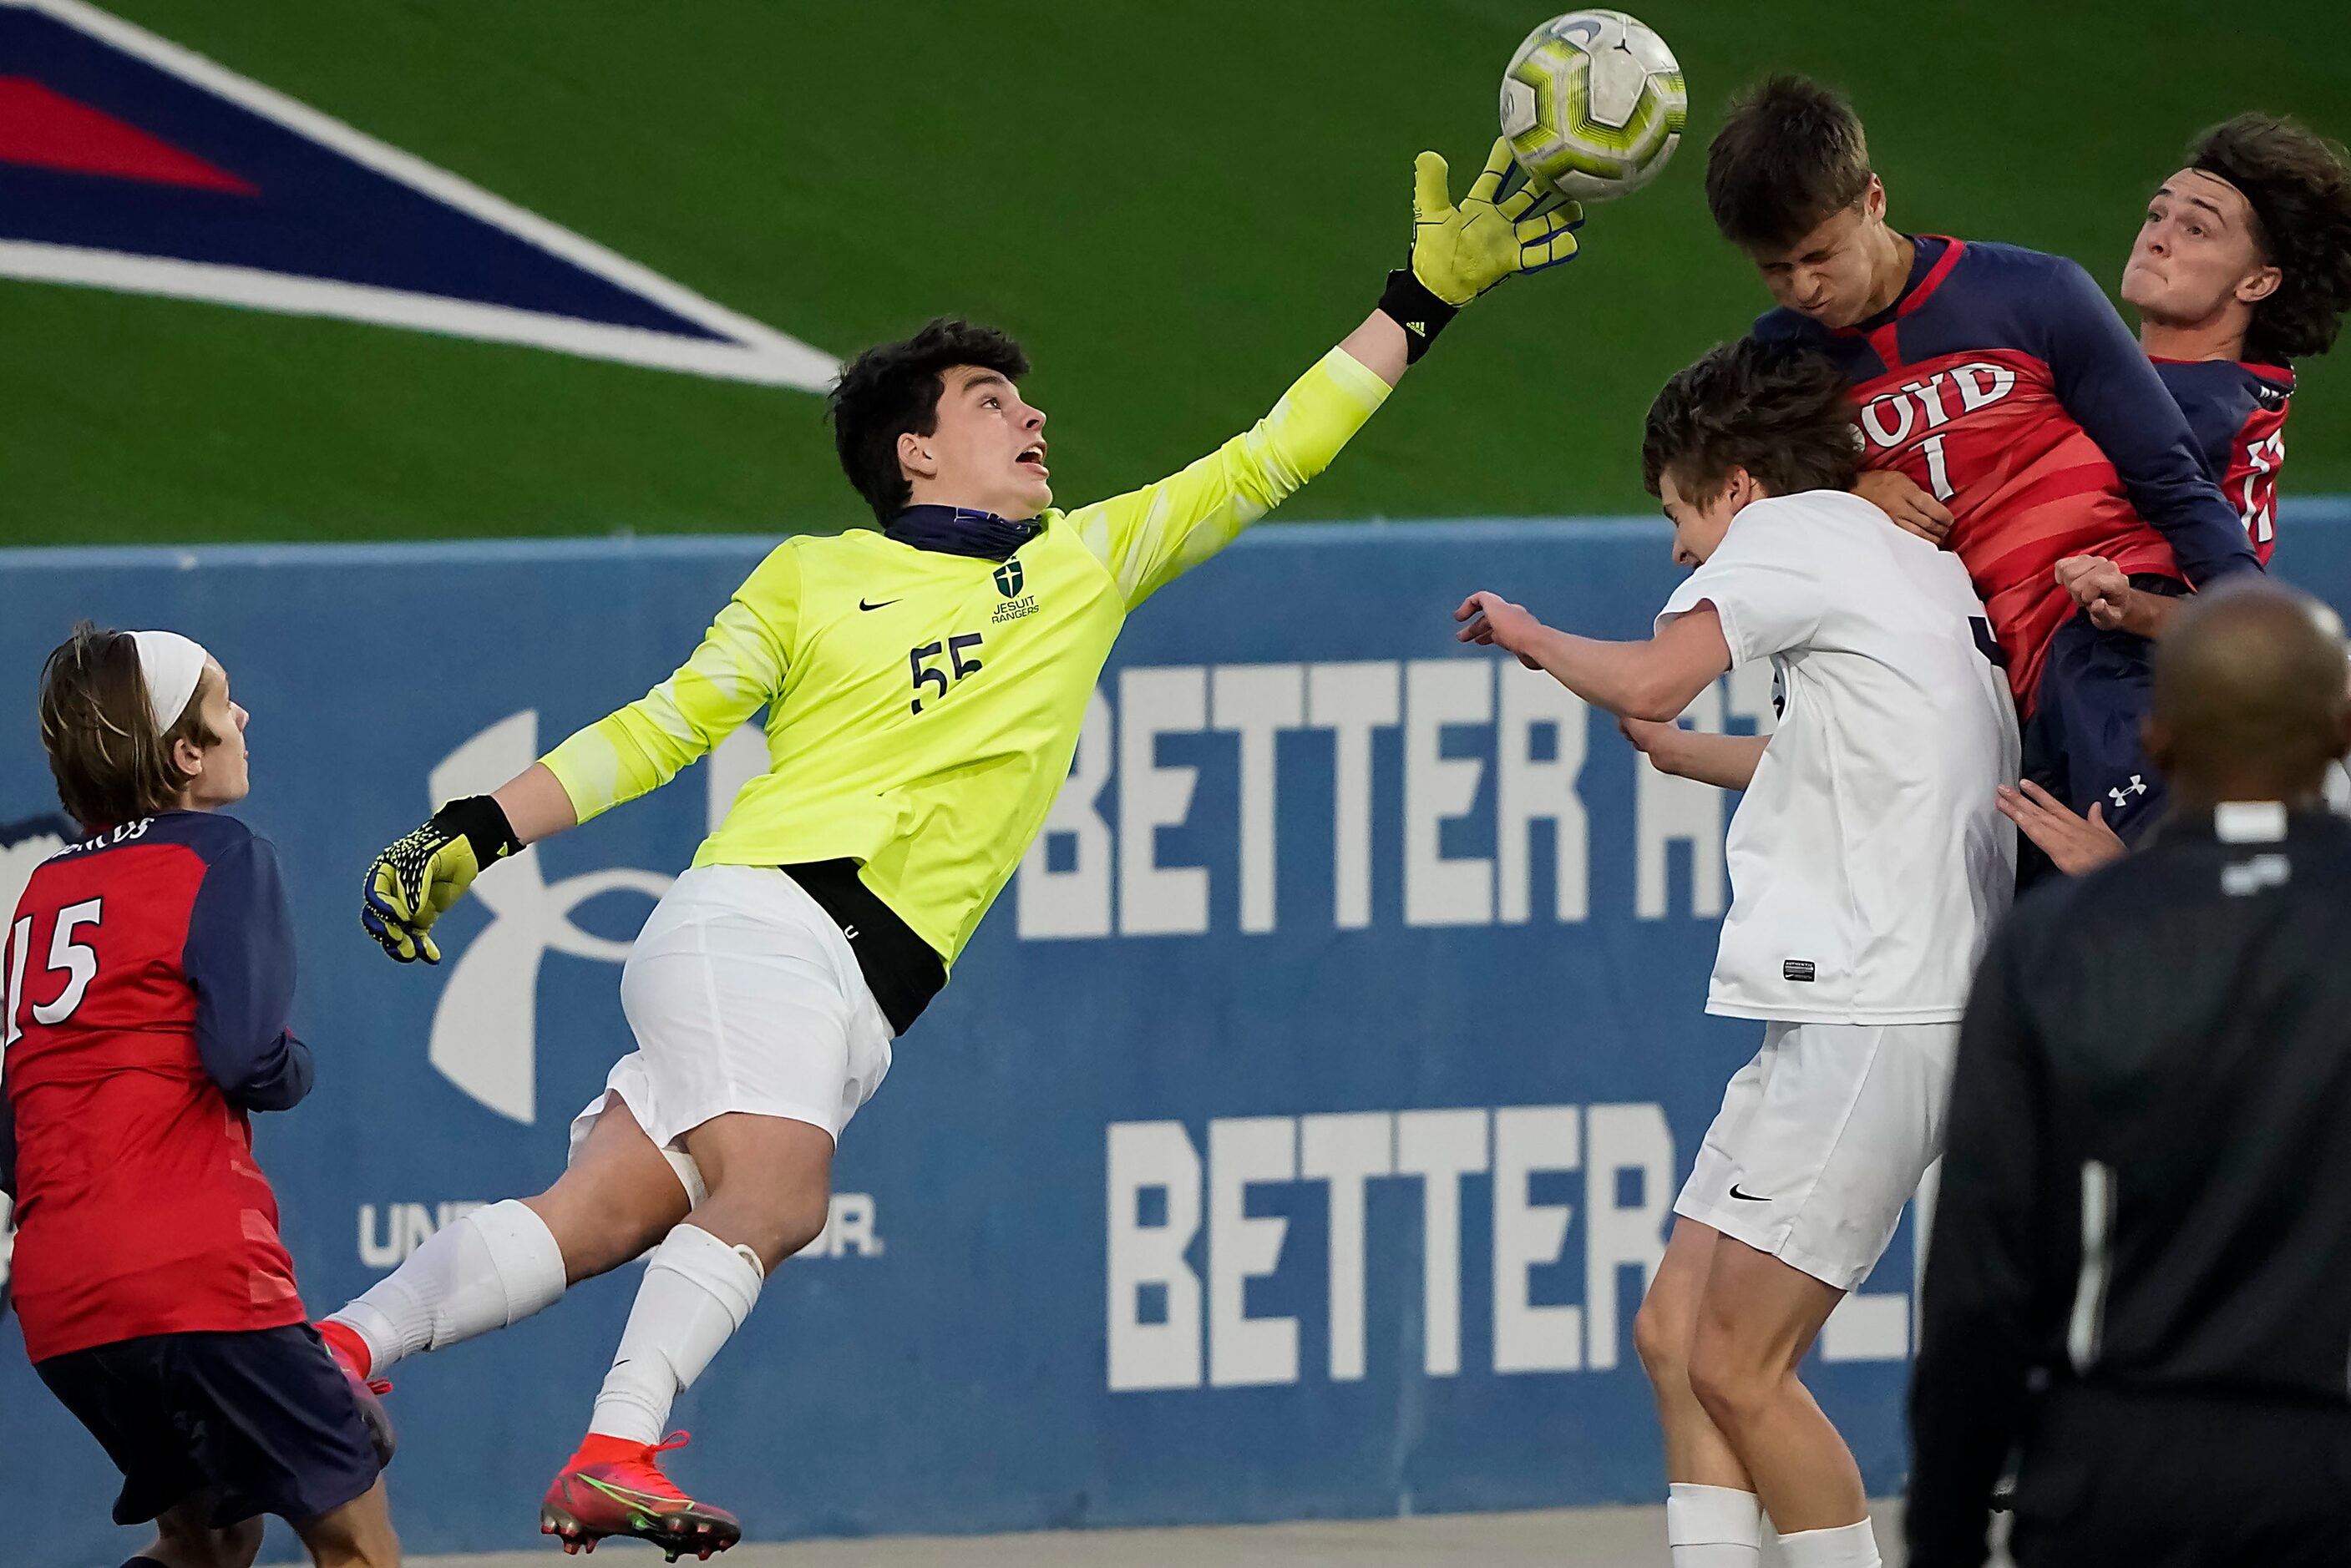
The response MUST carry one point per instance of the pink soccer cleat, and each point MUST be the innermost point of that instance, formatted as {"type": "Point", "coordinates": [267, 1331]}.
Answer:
{"type": "Point", "coordinates": [615, 1486]}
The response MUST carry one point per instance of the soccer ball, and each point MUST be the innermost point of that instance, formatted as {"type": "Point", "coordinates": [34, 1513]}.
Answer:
{"type": "Point", "coordinates": [1592, 105]}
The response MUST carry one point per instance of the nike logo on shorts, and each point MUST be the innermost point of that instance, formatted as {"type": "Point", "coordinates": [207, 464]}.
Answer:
{"type": "Point", "coordinates": [1747, 1197]}
{"type": "Point", "coordinates": [885, 604]}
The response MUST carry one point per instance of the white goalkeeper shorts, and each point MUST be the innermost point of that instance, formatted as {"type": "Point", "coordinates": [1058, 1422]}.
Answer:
{"type": "Point", "coordinates": [1822, 1140]}
{"type": "Point", "coordinates": [743, 996]}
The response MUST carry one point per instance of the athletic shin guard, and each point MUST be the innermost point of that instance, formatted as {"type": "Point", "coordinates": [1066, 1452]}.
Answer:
{"type": "Point", "coordinates": [696, 1292]}
{"type": "Point", "coordinates": [490, 1268]}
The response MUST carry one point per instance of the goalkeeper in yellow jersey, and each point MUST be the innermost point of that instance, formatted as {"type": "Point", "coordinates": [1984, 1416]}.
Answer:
{"type": "Point", "coordinates": [924, 685]}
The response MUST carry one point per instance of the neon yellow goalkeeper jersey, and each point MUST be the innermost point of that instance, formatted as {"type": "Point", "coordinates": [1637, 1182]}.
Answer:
{"type": "Point", "coordinates": [923, 707]}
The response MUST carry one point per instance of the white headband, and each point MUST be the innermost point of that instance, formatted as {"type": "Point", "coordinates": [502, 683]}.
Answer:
{"type": "Point", "coordinates": [171, 665]}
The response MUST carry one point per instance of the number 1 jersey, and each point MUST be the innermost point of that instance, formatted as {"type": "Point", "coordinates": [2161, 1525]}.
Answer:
{"type": "Point", "coordinates": [2002, 381]}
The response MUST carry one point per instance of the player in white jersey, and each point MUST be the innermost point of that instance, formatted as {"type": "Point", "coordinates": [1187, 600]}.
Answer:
{"type": "Point", "coordinates": [1867, 862]}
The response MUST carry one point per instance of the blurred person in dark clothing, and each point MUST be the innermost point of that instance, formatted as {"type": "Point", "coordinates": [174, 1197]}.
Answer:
{"type": "Point", "coordinates": [2140, 1275]}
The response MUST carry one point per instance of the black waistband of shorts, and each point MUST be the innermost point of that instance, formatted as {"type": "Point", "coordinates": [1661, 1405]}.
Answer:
{"type": "Point", "coordinates": [2157, 582]}
{"type": "Point", "coordinates": [902, 969]}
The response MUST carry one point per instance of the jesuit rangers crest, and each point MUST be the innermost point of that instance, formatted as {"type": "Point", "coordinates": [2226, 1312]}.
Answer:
{"type": "Point", "coordinates": [1009, 578]}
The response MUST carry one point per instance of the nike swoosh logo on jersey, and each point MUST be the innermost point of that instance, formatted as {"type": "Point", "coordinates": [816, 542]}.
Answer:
{"type": "Point", "coordinates": [1747, 1197]}
{"type": "Point", "coordinates": [885, 604]}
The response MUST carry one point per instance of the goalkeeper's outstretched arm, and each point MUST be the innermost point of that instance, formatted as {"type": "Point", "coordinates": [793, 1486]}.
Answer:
{"type": "Point", "coordinates": [536, 805]}
{"type": "Point", "coordinates": [1145, 538]}
{"type": "Point", "coordinates": [1379, 347]}
{"type": "Point", "coordinates": [738, 667]}
{"type": "Point", "coordinates": [1148, 536]}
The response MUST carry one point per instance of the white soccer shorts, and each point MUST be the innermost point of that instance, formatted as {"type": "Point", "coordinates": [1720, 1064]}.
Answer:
{"type": "Point", "coordinates": [1822, 1140]}
{"type": "Point", "coordinates": [743, 996]}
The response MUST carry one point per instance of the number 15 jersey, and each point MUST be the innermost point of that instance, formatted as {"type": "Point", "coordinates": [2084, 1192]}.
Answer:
{"type": "Point", "coordinates": [923, 706]}
{"type": "Point", "coordinates": [150, 970]}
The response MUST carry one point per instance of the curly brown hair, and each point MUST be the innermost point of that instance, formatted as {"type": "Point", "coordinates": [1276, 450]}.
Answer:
{"type": "Point", "coordinates": [2298, 184]}
{"type": "Point", "coordinates": [894, 388]}
{"type": "Point", "coordinates": [111, 765]}
{"type": "Point", "coordinates": [1782, 412]}
{"type": "Point", "coordinates": [1790, 154]}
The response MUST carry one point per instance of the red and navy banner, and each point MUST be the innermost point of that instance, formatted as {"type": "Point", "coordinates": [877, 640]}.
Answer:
{"type": "Point", "coordinates": [128, 162]}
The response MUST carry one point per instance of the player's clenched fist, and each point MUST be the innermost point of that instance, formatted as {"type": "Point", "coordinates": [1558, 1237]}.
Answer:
{"type": "Point", "coordinates": [2098, 586]}
{"type": "Point", "coordinates": [411, 883]}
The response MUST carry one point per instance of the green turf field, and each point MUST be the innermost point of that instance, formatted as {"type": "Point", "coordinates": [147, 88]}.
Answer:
{"type": "Point", "coordinates": [1175, 206]}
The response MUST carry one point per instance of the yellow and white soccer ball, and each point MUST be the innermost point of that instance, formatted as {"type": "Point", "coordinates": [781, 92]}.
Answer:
{"type": "Point", "coordinates": [1592, 104]}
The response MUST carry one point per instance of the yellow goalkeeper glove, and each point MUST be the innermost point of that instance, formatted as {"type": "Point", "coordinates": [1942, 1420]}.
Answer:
{"type": "Point", "coordinates": [1460, 252]}
{"type": "Point", "coordinates": [413, 883]}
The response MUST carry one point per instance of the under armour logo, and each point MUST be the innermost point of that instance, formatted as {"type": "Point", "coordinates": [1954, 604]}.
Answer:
{"type": "Point", "coordinates": [2138, 785]}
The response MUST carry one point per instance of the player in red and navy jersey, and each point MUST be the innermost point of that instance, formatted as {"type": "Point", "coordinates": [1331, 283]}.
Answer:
{"type": "Point", "coordinates": [2000, 381]}
{"type": "Point", "coordinates": [2242, 265]}
{"type": "Point", "coordinates": [149, 969]}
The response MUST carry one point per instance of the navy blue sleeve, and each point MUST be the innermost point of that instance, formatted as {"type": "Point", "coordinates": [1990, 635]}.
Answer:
{"type": "Point", "coordinates": [2113, 392]}
{"type": "Point", "coordinates": [2212, 396]}
{"type": "Point", "coordinates": [1781, 325]}
{"type": "Point", "coordinates": [239, 956]}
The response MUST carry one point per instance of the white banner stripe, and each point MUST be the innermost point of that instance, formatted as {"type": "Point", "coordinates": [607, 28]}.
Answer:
{"type": "Point", "coordinates": [790, 364]}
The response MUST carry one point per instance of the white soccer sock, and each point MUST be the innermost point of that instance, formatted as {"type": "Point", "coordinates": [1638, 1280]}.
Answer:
{"type": "Point", "coordinates": [491, 1267]}
{"type": "Point", "coordinates": [1713, 1526]}
{"type": "Point", "coordinates": [1846, 1546]}
{"type": "Point", "coordinates": [696, 1292]}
